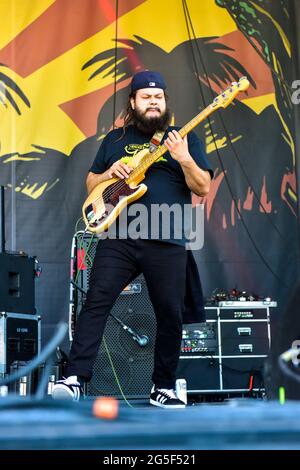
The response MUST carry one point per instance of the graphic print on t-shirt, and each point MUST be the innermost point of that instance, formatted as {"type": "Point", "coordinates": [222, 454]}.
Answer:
{"type": "Point", "coordinates": [133, 149]}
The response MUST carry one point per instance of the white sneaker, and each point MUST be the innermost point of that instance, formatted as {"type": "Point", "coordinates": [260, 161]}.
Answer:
{"type": "Point", "coordinates": [165, 398]}
{"type": "Point", "coordinates": [67, 389]}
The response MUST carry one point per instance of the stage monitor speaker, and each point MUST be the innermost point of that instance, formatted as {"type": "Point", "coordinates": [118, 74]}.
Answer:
{"type": "Point", "coordinates": [288, 332]}
{"type": "Point", "coordinates": [17, 274]}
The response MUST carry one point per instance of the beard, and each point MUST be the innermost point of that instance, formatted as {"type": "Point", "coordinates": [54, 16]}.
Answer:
{"type": "Point", "coordinates": [149, 125]}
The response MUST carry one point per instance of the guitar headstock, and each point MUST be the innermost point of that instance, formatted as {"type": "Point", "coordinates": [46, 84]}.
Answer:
{"type": "Point", "coordinates": [228, 95]}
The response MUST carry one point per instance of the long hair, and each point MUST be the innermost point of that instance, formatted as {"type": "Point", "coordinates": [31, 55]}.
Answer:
{"type": "Point", "coordinates": [129, 117]}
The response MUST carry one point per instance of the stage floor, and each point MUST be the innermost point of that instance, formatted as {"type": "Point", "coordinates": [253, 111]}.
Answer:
{"type": "Point", "coordinates": [234, 424]}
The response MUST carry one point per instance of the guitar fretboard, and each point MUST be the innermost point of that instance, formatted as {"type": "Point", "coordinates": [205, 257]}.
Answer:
{"type": "Point", "coordinates": [222, 100]}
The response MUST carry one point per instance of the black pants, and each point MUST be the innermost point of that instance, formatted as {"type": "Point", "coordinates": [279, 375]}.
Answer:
{"type": "Point", "coordinates": [117, 263]}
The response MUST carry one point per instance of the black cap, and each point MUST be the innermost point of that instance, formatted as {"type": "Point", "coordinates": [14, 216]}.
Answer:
{"type": "Point", "coordinates": [147, 79]}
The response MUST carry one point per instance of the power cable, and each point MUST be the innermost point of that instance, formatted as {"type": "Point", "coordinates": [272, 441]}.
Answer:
{"type": "Point", "coordinates": [115, 66]}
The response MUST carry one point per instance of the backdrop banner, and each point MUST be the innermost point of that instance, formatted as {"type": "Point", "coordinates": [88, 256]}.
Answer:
{"type": "Point", "coordinates": [65, 69]}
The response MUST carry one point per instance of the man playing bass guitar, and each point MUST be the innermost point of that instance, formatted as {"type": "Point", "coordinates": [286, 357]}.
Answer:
{"type": "Point", "coordinates": [158, 249]}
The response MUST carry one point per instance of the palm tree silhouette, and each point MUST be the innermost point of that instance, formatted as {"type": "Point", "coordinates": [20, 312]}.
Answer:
{"type": "Point", "coordinates": [30, 166]}
{"type": "Point", "coordinates": [137, 54]}
{"type": "Point", "coordinates": [223, 68]}
{"type": "Point", "coordinates": [7, 86]}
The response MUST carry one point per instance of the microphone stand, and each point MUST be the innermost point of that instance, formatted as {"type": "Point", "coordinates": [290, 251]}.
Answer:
{"type": "Point", "coordinates": [142, 340]}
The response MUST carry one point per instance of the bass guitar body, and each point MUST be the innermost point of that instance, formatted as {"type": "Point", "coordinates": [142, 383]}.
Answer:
{"type": "Point", "coordinates": [109, 198]}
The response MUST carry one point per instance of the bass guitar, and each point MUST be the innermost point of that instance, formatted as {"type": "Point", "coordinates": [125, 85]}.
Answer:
{"type": "Point", "coordinates": [109, 198]}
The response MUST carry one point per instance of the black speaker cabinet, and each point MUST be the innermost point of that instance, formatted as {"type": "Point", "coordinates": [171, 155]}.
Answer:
{"type": "Point", "coordinates": [17, 274]}
{"type": "Point", "coordinates": [121, 358]}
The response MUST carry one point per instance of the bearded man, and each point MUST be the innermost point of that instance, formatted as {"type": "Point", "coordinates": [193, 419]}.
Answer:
{"type": "Point", "coordinates": [161, 258]}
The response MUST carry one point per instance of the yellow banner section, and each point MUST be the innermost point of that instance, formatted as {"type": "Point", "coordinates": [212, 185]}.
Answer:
{"type": "Point", "coordinates": [16, 15]}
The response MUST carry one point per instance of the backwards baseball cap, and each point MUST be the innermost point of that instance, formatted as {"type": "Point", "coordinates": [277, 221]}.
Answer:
{"type": "Point", "coordinates": [147, 79]}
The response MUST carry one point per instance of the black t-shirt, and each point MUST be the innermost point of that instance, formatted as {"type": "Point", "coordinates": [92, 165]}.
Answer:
{"type": "Point", "coordinates": [167, 189]}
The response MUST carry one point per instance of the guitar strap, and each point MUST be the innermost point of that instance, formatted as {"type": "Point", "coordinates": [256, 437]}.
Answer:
{"type": "Point", "coordinates": [156, 140]}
